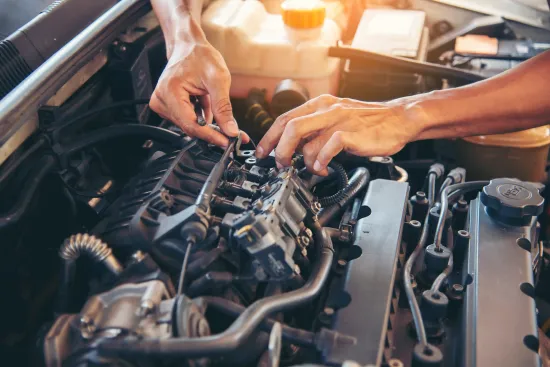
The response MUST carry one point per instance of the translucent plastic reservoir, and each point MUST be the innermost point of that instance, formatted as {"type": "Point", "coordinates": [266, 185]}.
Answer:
{"type": "Point", "coordinates": [261, 49]}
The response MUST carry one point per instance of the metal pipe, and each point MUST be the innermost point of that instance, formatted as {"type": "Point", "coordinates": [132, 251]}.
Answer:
{"type": "Point", "coordinates": [448, 194]}
{"type": "Point", "coordinates": [38, 87]}
{"type": "Point", "coordinates": [413, 304]}
{"type": "Point", "coordinates": [292, 335]}
{"type": "Point", "coordinates": [245, 324]}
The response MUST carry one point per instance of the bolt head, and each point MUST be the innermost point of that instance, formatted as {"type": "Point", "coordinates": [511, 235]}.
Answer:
{"type": "Point", "coordinates": [342, 262]}
{"type": "Point", "coordinates": [329, 311]}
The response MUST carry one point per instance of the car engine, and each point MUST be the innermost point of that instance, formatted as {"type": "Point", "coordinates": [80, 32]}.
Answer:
{"type": "Point", "coordinates": [127, 243]}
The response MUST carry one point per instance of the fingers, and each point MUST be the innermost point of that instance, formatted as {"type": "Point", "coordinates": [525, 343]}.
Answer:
{"type": "Point", "coordinates": [207, 108]}
{"type": "Point", "coordinates": [180, 111]}
{"type": "Point", "coordinates": [221, 105]}
{"type": "Point", "coordinates": [311, 150]}
{"type": "Point", "coordinates": [340, 140]}
{"type": "Point", "coordinates": [300, 128]}
{"type": "Point", "coordinates": [271, 138]}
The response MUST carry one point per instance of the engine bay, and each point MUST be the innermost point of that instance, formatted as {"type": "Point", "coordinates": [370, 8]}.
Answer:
{"type": "Point", "coordinates": [128, 243]}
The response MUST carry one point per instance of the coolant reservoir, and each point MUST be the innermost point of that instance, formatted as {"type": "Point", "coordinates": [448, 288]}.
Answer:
{"type": "Point", "coordinates": [262, 49]}
{"type": "Point", "coordinates": [522, 155]}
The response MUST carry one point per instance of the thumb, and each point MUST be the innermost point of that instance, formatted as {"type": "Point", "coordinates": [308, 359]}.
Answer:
{"type": "Point", "coordinates": [222, 110]}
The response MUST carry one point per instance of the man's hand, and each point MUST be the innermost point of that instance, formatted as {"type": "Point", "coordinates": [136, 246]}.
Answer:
{"type": "Point", "coordinates": [194, 68]}
{"type": "Point", "coordinates": [325, 126]}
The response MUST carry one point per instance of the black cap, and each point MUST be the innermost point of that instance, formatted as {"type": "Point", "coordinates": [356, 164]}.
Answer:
{"type": "Point", "coordinates": [511, 198]}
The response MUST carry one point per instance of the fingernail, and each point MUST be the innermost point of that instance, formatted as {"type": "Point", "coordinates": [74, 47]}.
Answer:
{"type": "Point", "coordinates": [259, 152]}
{"type": "Point", "coordinates": [232, 127]}
{"type": "Point", "coordinates": [317, 166]}
{"type": "Point", "coordinates": [279, 166]}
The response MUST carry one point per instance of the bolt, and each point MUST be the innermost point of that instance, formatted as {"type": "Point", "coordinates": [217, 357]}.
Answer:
{"type": "Point", "coordinates": [462, 203]}
{"type": "Point", "coordinates": [266, 189]}
{"type": "Point", "coordinates": [259, 204]}
{"type": "Point", "coordinates": [146, 308]}
{"type": "Point", "coordinates": [304, 240]}
{"type": "Point", "coordinates": [316, 206]}
{"type": "Point", "coordinates": [415, 223]}
{"type": "Point", "coordinates": [463, 233]}
{"type": "Point", "coordinates": [457, 289]}
{"type": "Point", "coordinates": [342, 263]}
{"type": "Point", "coordinates": [395, 363]}
{"type": "Point", "coordinates": [123, 48]}
{"type": "Point", "coordinates": [420, 195]}
{"type": "Point", "coordinates": [329, 311]}
{"type": "Point", "coordinates": [308, 232]}
{"type": "Point", "coordinates": [87, 327]}
{"type": "Point", "coordinates": [138, 256]}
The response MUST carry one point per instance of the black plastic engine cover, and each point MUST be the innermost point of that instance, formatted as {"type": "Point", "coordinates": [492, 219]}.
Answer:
{"type": "Point", "coordinates": [169, 184]}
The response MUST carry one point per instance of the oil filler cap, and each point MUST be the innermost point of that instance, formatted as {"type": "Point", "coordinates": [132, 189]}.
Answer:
{"type": "Point", "coordinates": [511, 198]}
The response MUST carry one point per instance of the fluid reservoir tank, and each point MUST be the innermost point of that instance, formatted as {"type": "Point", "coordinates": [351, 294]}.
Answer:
{"type": "Point", "coordinates": [261, 49]}
{"type": "Point", "coordinates": [522, 155]}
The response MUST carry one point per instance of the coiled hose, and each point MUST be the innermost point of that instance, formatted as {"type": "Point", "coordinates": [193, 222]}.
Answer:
{"type": "Point", "coordinates": [343, 183]}
{"type": "Point", "coordinates": [71, 250]}
{"type": "Point", "coordinates": [359, 181]}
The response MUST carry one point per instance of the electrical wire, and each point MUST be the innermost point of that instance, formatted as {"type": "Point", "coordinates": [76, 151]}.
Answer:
{"type": "Point", "coordinates": [184, 268]}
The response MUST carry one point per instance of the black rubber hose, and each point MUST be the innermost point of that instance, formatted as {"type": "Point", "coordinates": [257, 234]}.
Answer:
{"type": "Point", "coordinates": [406, 65]}
{"type": "Point", "coordinates": [97, 111]}
{"type": "Point", "coordinates": [44, 166]}
{"type": "Point", "coordinates": [11, 166]}
{"type": "Point", "coordinates": [359, 180]}
{"type": "Point", "coordinates": [112, 132]}
{"type": "Point", "coordinates": [242, 328]}
{"type": "Point", "coordinates": [343, 183]}
{"type": "Point", "coordinates": [292, 335]}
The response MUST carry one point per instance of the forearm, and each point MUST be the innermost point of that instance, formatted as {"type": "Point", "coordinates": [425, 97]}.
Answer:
{"type": "Point", "coordinates": [512, 101]}
{"type": "Point", "coordinates": [180, 21]}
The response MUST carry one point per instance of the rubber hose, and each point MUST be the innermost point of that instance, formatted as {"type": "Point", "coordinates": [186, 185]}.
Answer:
{"type": "Point", "coordinates": [11, 166]}
{"type": "Point", "coordinates": [343, 183]}
{"type": "Point", "coordinates": [359, 180]}
{"type": "Point", "coordinates": [36, 177]}
{"type": "Point", "coordinates": [111, 132]}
